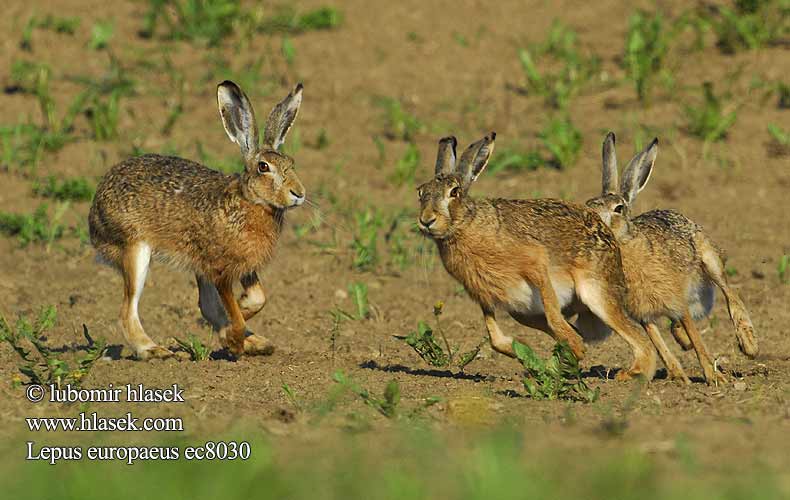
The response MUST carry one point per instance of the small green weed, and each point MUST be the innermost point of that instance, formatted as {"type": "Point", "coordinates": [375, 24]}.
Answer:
{"type": "Point", "coordinates": [424, 344]}
{"type": "Point", "coordinates": [646, 48]}
{"type": "Point", "coordinates": [68, 189]}
{"type": "Point", "coordinates": [288, 50]}
{"type": "Point", "coordinates": [406, 167]}
{"type": "Point", "coordinates": [288, 20]}
{"type": "Point", "coordinates": [751, 24]}
{"type": "Point", "coordinates": [563, 141]}
{"type": "Point", "coordinates": [558, 378]}
{"type": "Point", "coordinates": [196, 349]}
{"type": "Point", "coordinates": [573, 68]}
{"type": "Point", "coordinates": [708, 119]}
{"type": "Point", "coordinates": [359, 294]}
{"type": "Point", "coordinates": [365, 242]}
{"type": "Point", "coordinates": [101, 34]}
{"type": "Point", "coordinates": [781, 269]}
{"type": "Point", "coordinates": [209, 21]}
{"type": "Point", "coordinates": [398, 123]}
{"type": "Point", "coordinates": [103, 114]}
{"type": "Point", "coordinates": [36, 227]}
{"type": "Point", "coordinates": [43, 366]}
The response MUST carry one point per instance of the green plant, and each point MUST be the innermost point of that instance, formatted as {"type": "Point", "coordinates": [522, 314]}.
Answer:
{"type": "Point", "coordinates": [289, 20]}
{"type": "Point", "coordinates": [101, 34]}
{"type": "Point", "coordinates": [288, 50]}
{"type": "Point", "coordinates": [229, 165]}
{"type": "Point", "coordinates": [509, 158]}
{"type": "Point", "coordinates": [69, 189]}
{"type": "Point", "coordinates": [359, 294]}
{"type": "Point", "coordinates": [209, 21]}
{"type": "Point", "coordinates": [65, 25]}
{"type": "Point", "coordinates": [399, 124]}
{"type": "Point", "coordinates": [778, 134]}
{"type": "Point", "coordinates": [103, 115]}
{"type": "Point", "coordinates": [365, 241]}
{"type": "Point", "coordinates": [44, 367]}
{"type": "Point", "coordinates": [34, 228]}
{"type": "Point", "coordinates": [708, 120]}
{"type": "Point", "coordinates": [387, 405]}
{"type": "Point", "coordinates": [194, 347]}
{"type": "Point", "coordinates": [563, 142]}
{"type": "Point", "coordinates": [781, 269]}
{"type": "Point", "coordinates": [646, 49]}
{"type": "Point", "coordinates": [751, 24]}
{"type": "Point", "coordinates": [572, 68]}
{"type": "Point", "coordinates": [406, 167]}
{"type": "Point", "coordinates": [558, 378]}
{"type": "Point", "coordinates": [424, 344]}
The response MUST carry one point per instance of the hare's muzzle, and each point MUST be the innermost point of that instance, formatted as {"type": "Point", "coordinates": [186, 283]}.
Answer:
{"type": "Point", "coordinates": [296, 197]}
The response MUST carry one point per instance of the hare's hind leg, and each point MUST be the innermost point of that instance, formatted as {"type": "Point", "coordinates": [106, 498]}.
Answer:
{"type": "Point", "coordinates": [705, 359]}
{"type": "Point", "coordinates": [210, 304]}
{"type": "Point", "coordinates": [609, 309]}
{"type": "Point", "coordinates": [674, 368]}
{"type": "Point", "coordinates": [714, 268]}
{"type": "Point", "coordinates": [134, 267]}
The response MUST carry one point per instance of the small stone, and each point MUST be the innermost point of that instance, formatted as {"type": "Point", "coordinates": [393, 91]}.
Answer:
{"type": "Point", "coordinates": [739, 386]}
{"type": "Point", "coordinates": [341, 294]}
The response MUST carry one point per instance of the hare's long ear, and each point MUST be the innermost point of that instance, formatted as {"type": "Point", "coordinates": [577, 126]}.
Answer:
{"type": "Point", "coordinates": [475, 159]}
{"type": "Point", "coordinates": [609, 184]}
{"type": "Point", "coordinates": [637, 173]}
{"type": "Point", "coordinates": [282, 117]}
{"type": "Point", "coordinates": [238, 117]}
{"type": "Point", "coordinates": [445, 159]}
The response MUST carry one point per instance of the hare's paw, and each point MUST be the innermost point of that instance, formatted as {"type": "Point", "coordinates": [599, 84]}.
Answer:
{"type": "Point", "coordinates": [715, 377]}
{"type": "Point", "coordinates": [232, 341]}
{"type": "Point", "coordinates": [154, 352]}
{"type": "Point", "coordinates": [258, 345]}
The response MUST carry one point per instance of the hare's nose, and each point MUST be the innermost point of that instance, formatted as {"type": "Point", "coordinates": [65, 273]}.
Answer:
{"type": "Point", "coordinates": [296, 195]}
{"type": "Point", "coordinates": [427, 223]}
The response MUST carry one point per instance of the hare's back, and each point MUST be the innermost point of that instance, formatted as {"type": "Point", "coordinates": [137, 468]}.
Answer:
{"type": "Point", "coordinates": [155, 193]}
{"type": "Point", "coordinates": [556, 223]}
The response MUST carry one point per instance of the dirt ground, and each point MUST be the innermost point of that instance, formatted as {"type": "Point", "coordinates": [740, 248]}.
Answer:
{"type": "Point", "coordinates": [410, 50]}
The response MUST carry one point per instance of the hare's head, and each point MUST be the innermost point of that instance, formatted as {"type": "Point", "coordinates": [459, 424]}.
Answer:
{"type": "Point", "coordinates": [442, 199]}
{"type": "Point", "coordinates": [269, 177]}
{"type": "Point", "coordinates": [614, 203]}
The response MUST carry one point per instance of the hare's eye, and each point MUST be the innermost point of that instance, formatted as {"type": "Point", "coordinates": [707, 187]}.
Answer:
{"type": "Point", "coordinates": [619, 209]}
{"type": "Point", "coordinates": [455, 192]}
{"type": "Point", "coordinates": [263, 167]}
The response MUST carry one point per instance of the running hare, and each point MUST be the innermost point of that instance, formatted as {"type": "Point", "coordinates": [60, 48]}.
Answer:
{"type": "Point", "coordinates": [221, 227]}
{"type": "Point", "coordinates": [534, 258]}
{"type": "Point", "coordinates": [670, 264]}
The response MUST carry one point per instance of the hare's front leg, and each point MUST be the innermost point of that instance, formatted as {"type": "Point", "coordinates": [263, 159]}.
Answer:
{"type": "Point", "coordinates": [252, 297]}
{"type": "Point", "coordinates": [499, 341]}
{"type": "Point", "coordinates": [134, 267]}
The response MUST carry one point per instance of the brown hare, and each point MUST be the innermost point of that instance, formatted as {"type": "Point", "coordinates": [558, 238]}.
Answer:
{"type": "Point", "coordinates": [670, 264]}
{"type": "Point", "coordinates": [221, 227]}
{"type": "Point", "coordinates": [537, 259]}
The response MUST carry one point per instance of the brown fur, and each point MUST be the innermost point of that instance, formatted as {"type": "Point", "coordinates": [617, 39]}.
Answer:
{"type": "Point", "coordinates": [221, 227]}
{"type": "Point", "coordinates": [670, 265]}
{"type": "Point", "coordinates": [494, 246]}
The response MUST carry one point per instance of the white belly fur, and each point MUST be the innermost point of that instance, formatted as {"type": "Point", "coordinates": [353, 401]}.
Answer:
{"type": "Point", "coordinates": [526, 299]}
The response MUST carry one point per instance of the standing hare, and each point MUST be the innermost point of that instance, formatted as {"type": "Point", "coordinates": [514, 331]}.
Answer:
{"type": "Point", "coordinates": [533, 258]}
{"type": "Point", "coordinates": [670, 264]}
{"type": "Point", "coordinates": [221, 227]}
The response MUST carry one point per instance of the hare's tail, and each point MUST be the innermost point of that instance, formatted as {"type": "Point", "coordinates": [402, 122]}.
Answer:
{"type": "Point", "coordinates": [713, 265]}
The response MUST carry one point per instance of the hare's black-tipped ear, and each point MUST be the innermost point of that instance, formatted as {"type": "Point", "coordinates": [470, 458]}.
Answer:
{"type": "Point", "coordinates": [445, 159]}
{"type": "Point", "coordinates": [282, 117]}
{"type": "Point", "coordinates": [475, 159]}
{"type": "Point", "coordinates": [238, 117]}
{"type": "Point", "coordinates": [609, 184]}
{"type": "Point", "coordinates": [637, 173]}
